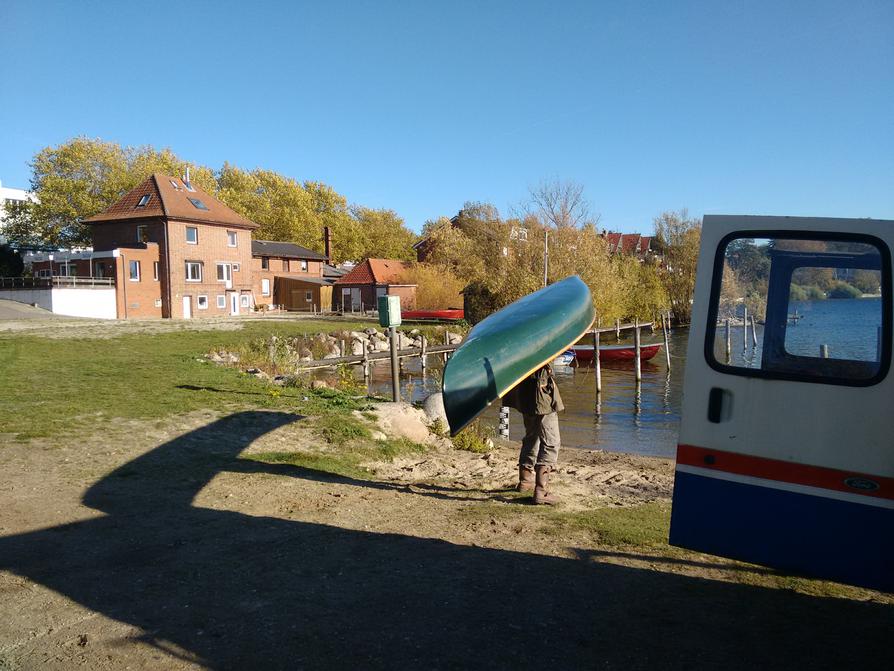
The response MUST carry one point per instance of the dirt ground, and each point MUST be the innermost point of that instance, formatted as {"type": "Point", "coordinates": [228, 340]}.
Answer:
{"type": "Point", "coordinates": [153, 545]}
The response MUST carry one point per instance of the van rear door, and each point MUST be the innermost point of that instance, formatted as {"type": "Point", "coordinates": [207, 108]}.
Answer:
{"type": "Point", "coordinates": [786, 450]}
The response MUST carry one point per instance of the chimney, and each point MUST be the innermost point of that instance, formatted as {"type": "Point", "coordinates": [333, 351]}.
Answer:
{"type": "Point", "coordinates": [188, 185]}
{"type": "Point", "coordinates": [327, 242]}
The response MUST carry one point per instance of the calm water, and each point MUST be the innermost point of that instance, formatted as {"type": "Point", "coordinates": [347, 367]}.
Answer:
{"type": "Point", "coordinates": [646, 421]}
{"type": "Point", "coordinates": [624, 420]}
{"type": "Point", "coordinates": [848, 326]}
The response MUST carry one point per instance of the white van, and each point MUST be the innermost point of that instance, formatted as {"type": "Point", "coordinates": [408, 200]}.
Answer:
{"type": "Point", "coordinates": [786, 450]}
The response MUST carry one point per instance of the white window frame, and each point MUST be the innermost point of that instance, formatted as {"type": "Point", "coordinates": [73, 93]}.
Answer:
{"type": "Point", "coordinates": [131, 266]}
{"type": "Point", "coordinates": [192, 242]}
{"type": "Point", "coordinates": [244, 300]}
{"type": "Point", "coordinates": [304, 265]}
{"type": "Point", "coordinates": [265, 286]}
{"type": "Point", "coordinates": [236, 267]}
{"type": "Point", "coordinates": [142, 233]}
{"type": "Point", "coordinates": [194, 264]}
{"type": "Point", "coordinates": [155, 270]}
{"type": "Point", "coordinates": [308, 296]}
{"type": "Point", "coordinates": [225, 273]}
{"type": "Point", "coordinates": [200, 300]}
{"type": "Point", "coordinates": [232, 240]}
{"type": "Point", "coordinates": [222, 301]}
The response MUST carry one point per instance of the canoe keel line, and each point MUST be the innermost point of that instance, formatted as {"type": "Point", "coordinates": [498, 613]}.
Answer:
{"type": "Point", "coordinates": [506, 347]}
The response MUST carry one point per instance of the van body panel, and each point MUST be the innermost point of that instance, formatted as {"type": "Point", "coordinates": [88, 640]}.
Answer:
{"type": "Point", "coordinates": [790, 473]}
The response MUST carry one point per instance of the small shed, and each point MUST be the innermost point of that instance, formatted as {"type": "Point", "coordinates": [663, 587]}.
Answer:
{"type": "Point", "coordinates": [303, 293]}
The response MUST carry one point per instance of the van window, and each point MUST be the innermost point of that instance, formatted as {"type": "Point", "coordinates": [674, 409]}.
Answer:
{"type": "Point", "coordinates": [809, 307]}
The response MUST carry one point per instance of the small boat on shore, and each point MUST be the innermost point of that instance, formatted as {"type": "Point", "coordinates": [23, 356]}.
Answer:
{"type": "Point", "coordinates": [584, 353]}
{"type": "Point", "coordinates": [449, 315]}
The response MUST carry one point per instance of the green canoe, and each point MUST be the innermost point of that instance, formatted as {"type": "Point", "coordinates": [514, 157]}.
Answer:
{"type": "Point", "coordinates": [512, 343]}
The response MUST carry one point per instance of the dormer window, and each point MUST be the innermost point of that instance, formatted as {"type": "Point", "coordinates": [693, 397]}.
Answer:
{"type": "Point", "coordinates": [175, 185]}
{"type": "Point", "coordinates": [144, 200]}
{"type": "Point", "coordinates": [198, 204]}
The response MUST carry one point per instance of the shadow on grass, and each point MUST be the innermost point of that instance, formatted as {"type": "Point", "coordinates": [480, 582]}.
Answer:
{"type": "Point", "coordinates": [236, 591]}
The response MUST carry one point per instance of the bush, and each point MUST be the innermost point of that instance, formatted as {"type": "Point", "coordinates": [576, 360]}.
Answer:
{"type": "Point", "coordinates": [474, 438]}
{"type": "Point", "coordinates": [814, 293]}
{"type": "Point", "coordinates": [844, 290]}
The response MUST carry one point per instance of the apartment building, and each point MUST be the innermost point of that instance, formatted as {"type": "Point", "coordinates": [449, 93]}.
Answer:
{"type": "Point", "coordinates": [176, 251]}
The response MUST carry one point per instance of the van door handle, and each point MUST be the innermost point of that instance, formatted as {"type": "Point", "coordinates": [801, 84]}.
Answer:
{"type": "Point", "coordinates": [715, 404]}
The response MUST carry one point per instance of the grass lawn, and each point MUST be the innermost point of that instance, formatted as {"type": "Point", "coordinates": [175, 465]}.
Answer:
{"type": "Point", "coordinates": [54, 387]}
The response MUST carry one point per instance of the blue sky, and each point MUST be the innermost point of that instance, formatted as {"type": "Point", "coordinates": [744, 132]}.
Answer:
{"type": "Point", "coordinates": [721, 107]}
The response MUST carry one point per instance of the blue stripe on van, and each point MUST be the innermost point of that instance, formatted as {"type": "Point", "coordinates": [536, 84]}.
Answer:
{"type": "Point", "coordinates": [797, 533]}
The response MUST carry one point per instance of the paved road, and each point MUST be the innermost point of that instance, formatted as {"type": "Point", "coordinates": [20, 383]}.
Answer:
{"type": "Point", "coordinates": [14, 310]}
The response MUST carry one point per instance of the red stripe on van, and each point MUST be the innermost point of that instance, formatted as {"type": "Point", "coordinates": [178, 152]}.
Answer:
{"type": "Point", "coordinates": [786, 471]}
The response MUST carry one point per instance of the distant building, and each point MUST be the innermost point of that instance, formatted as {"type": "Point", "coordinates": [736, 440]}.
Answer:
{"type": "Point", "coordinates": [361, 287]}
{"type": "Point", "coordinates": [631, 244]}
{"type": "Point", "coordinates": [292, 276]}
{"type": "Point", "coordinates": [10, 197]}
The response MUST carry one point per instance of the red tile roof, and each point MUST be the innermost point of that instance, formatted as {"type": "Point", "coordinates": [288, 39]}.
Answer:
{"type": "Point", "coordinates": [375, 271]}
{"type": "Point", "coordinates": [169, 197]}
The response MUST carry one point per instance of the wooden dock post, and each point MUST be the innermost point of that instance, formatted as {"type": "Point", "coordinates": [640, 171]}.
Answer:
{"type": "Point", "coordinates": [446, 342]}
{"type": "Point", "coordinates": [422, 355]}
{"type": "Point", "coordinates": [753, 333]}
{"type": "Point", "coordinates": [395, 367]}
{"type": "Point", "coordinates": [638, 364]}
{"type": "Point", "coordinates": [618, 329]}
{"type": "Point", "coordinates": [665, 326]}
{"type": "Point", "coordinates": [597, 362]}
{"type": "Point", "coordinates": [745, 329]}
{"type": "Point", "coordinates": [729, 342]}
{"type": "Point", "coordinates": [365, 359]}
{"type": "Point", "coordinates": [824, 351]}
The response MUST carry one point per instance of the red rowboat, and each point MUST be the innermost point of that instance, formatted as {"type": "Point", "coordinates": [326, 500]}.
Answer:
{"type": "Point", "coordinates": [584, 353]}
{"type": "Point", "coordinates": [443, 315]}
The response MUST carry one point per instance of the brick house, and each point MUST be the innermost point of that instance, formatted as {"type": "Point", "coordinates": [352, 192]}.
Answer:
{"type": "Point", "coordinates": [175, 251]}
{"type": "Point", "coordinates": [630, 244]}
{"type": "Point", "coordinates": [289, 275]}
{"type": "Point", "coordinates": [362, 286]}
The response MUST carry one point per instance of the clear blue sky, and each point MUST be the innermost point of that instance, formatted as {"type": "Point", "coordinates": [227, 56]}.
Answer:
{"type": "Point", "coordinates": [721, 107]}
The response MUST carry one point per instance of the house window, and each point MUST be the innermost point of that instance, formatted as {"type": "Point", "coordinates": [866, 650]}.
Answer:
{"type": "Point", "coordinates": [202, 302]}
{"type": "Point", "coordinates": [193, 271]}
{"type": "Point", "coordinates": [245, 300]}
{"type": "Point", "coordinates": [224, 272]}
{"type": "Point", "coordinates": [144, 200]}
{"type": "Point", "coordinates": [135, 271]}
{"type": "Point", "coordinates": [221, 301]}
{"type": "Point", "coordinates": [235, 267]}
{"type": "Point", "coordinates": [265, 263]}
{"type": "Point", "coordinates": [198, 204]}
{"type": "Point", "coordinates": [155, 270]}
{"type": "Point", "coordinates": [192, 235]}
{"type": "Point", "coordinates": [265, 287]}
{"type": "Point", "coordinates": [142, 233]}
{"type": "Point", "coordinates": [309, 296]}
{"type": "Point", "coordinates": [231, 238]}
{"type": "Point", "coordinates": [303, 265]}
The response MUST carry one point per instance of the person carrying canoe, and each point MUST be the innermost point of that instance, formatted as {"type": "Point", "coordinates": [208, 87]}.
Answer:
{"type": "Point", "coordinates": [537, 399]}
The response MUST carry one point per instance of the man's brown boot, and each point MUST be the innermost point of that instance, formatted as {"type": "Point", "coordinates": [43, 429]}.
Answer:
{"type": "Point", "coordinates": [542, 495]}
{"type": "Point", "coordinates": [525, 479]}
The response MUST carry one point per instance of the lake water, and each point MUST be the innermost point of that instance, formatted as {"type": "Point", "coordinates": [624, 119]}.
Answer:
{"type": "Point", "coordinates": [646, 420]}
{"type": "Point", "coordinates": [624, 420]}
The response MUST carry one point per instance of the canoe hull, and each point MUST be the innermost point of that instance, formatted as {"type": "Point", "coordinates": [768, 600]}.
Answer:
{"type": "Point", "coordinates": [584, 353]}
{"type": "Point", "coordinates": [511, 344]}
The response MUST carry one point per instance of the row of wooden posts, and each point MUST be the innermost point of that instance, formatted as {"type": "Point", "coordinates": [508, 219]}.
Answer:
{"type": "Point", "coordinates": [729, 346]}
{"type": "Point", "coordinates": [637, 365]}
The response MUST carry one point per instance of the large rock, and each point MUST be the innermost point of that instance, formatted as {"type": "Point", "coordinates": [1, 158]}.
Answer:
{"type": "Point", "coordinates": [402, 420]}
{"type": "Point", "coordinates": [433, 407]}
{"type": "Point", "coordinates": [454, 338]}
{"type": "Point", "coordinates": [357, 347]}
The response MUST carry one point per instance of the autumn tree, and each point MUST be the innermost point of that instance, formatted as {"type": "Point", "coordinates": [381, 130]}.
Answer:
{"type": "Point", "coordinates": [678, 238]}
{"type": "Point", "coordinates": [82, 177]}
{"type": "Point", "coordinates": [383, 234]}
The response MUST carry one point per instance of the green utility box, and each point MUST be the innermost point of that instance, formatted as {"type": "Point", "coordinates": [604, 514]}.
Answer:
{"type": "Point", "coordinates": [389, 311]}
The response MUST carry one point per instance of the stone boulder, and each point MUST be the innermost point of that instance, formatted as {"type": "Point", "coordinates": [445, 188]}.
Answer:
{"type": "Point", "coordinates": [433, 407]}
